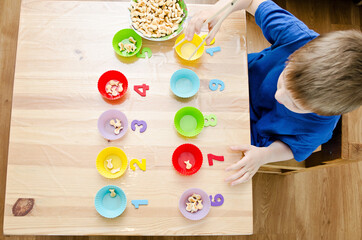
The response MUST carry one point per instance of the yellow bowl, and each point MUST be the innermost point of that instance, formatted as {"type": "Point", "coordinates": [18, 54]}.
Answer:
{"type": "Point", "coordinates": [119, 160]}
{"type": "Point", "coordinates": [185, 49]}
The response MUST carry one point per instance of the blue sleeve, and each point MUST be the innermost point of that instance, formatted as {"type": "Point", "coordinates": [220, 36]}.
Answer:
{"type": "Point", "coordinates": [303, 146]}
{"type": "Point", "coordinates": [279, 26]}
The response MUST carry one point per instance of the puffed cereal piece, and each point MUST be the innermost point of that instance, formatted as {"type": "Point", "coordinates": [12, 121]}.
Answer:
{"type": "Point", "coordinates": [109, 163]}
{"type": "Point", "coordinates": [118, 130]}
{"type": "Point", "coordinates": [194, 208]}
{"type": "Point", "coordinates": [188, 207]}
{"type": "Point", "coordinates": [121, 46]}
{"type": "Point", "coordinates": [114, 93]}
{"type": "Point", "coordinates": [118, 123]}
{"type": "Point", "coordinates": [131, 39]}
{"type": "Point", "coordinates": [188, 164]}
{"type": "Point", "coordinates": [197, 196]}
{"type": "Point", "coordinates": [112, 194]}
{"type": "Point", "coordinates": [120, 88]}
{"type": "Point", "coordinates": [116, 170]}
{"type": "Point", "coordinates": [199, 205]}
{"type": "Point", "coordinates": [108, 88]}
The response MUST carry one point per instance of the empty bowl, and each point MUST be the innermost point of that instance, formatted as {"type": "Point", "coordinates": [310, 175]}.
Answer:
{"type": "Point", "coordinates": [185, 83]}
{"type": "Point", "coordinates": [185, 49]}
{"type": "Point", "coordinates": [189, 121]}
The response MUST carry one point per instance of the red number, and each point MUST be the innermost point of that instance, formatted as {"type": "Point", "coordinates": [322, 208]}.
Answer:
{"type": "Point", "coordinates": [212, 157]}
{"type": "Point", "coordinates": [144, 89]}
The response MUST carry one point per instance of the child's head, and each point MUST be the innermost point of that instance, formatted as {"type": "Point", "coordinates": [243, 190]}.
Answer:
{"type": "Point", "coordinates": [325, 75]}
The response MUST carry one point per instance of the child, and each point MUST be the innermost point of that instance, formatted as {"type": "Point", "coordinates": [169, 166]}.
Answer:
{"type": "Point", "coordinates": [299, 86]}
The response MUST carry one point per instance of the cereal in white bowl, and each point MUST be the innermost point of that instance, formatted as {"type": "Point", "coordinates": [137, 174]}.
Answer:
{"type": "Point", "coordinates": [156, 18]}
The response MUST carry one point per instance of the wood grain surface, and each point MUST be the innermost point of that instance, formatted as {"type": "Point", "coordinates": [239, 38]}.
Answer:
{"type": "Point", "coordinates": [309, 191]}
{"type": "Point", "coordinates": [63, 48]}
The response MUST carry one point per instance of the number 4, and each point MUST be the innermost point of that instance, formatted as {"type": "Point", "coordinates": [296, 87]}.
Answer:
{"type": "Point", "coordinates": [144, 87]}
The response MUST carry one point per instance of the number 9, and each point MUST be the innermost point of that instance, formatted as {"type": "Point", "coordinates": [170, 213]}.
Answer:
{"type": "Point", "coordinates": [215, 83]}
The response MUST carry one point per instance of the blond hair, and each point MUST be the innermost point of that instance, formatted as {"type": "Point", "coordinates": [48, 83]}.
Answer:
{"type": "Point", "coordinates": [325, 75]}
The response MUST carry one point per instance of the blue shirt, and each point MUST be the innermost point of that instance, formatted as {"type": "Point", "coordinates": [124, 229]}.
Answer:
{"type": "Point", "coordinates": [271, 121]}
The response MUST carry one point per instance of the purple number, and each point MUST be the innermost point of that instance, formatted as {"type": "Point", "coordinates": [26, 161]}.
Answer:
{"type": "Point", "coordinates": [139, 123]}
{"type": "Point", "coordinates": [218, 200]}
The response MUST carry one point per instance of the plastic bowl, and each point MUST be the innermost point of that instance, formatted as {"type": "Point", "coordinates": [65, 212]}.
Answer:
{"type": "Point", "coordinates": [187, 152]}
{"type": "Point", "coordinates": [185, 49]}
{"type": "Point", "coordinates": [212, 41]}
{"type": "Point", "coordinates": [108, 76]}
{"type": "Point", "coordinates": [110, 207]}
{"type": "Point", "coordinates": [189, 121]}
{"type": "Point", "coordinates": [200, 214]}
{"type": "Point", "coordinates": [106, 130]}
{"type": "Point", "coordinates": [185, 83]}
{"type": "Point", "coordinates": [119, 160]}
{"type": "Point", "coordinates": [122, 36]}
{"type": "Point", "coordinates": [168, 37]}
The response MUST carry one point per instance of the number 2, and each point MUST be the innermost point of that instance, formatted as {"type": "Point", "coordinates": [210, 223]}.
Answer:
{"type": "Point", "coordinates": [142, 165]}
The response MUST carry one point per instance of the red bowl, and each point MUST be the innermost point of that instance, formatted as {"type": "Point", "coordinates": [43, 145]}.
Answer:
{"type": "Point", "coordinates": [186, 152]}
{"type": "Point", "coordinates": [108, 76]}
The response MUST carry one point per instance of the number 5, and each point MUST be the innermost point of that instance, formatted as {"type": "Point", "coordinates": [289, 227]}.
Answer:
{"type": "Point", "coordinates": [218, 200]}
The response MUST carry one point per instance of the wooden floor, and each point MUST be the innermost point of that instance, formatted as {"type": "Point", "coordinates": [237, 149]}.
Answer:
{"type": "Point", "coordinates": [318, 204]}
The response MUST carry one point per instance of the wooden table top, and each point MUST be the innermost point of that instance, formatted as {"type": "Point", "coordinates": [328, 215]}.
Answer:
{"type": "Point", "coordinates": [63, 48]}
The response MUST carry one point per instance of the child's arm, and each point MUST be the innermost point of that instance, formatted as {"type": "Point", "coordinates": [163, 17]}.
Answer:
{"type": "Point", "coordinates": [195, 24]}
{"type": "Point", "coordinates": [254, 157]}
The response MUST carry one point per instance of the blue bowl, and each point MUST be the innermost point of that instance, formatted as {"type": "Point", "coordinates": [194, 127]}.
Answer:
{"type": "Point", "coordinates": [185, 83]}
{"type": "Point", "coordinates": [110, 207]}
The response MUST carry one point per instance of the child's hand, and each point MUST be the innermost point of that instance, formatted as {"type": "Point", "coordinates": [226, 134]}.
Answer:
{"type": "Point", "coordinates": [253, 158]}
{"type": "Point", "coordinates": [195, 25]}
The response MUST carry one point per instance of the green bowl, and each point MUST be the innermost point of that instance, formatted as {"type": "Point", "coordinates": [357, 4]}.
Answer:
{"type": "Point", "coordinates": [189, 121]}
{"type": "Point", "coordinates": [168, 37]}
{"type": "Point", "coordinates": [122, 36]}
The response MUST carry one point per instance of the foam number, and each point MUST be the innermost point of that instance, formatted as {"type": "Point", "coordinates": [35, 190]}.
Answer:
{"type": "Point", "coordinates": [212, 157]}
{"type": "Point", "coordinates": [211, 51]}
{"type": "Point", "coordinates": [137, 203]}
{"type": "Point", "coordinates": [218, 200]}
{"type": "Point", "coordinates": [144, 52]}
{"type": "Point", "coordinates": [142, 165]}
{"type": "Point", "coordinates": [144, 88]}
{"type": "Point", "coordinates": [141, 123]}
{"type": "Point", "coordinates": [215, 83]}
{"type": "Point", "coordinates": [210, 120]}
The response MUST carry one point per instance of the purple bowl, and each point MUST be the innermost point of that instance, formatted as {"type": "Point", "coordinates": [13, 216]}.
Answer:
{"type": "Point", "coordinates": [205, 201]}
{"type": "Point", "coordinates": [106, 130]}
